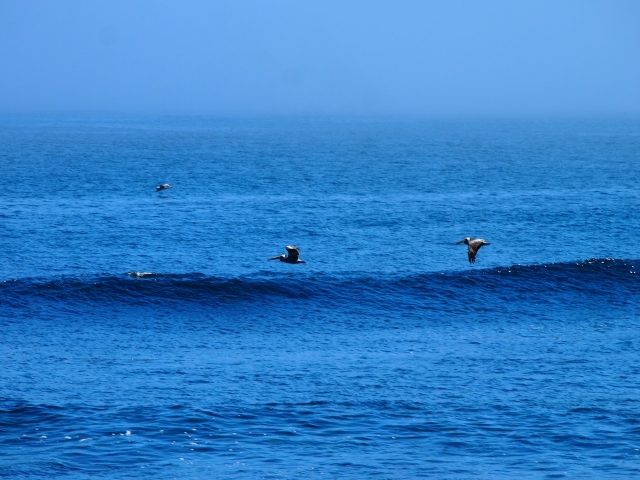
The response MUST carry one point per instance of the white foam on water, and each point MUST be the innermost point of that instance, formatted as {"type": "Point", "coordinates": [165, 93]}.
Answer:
{"type": "Point", "coordinates": [141, 274]}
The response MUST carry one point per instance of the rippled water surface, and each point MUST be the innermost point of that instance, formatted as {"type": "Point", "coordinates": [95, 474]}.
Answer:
{"type": "Point", "coordinates": [145, 334]}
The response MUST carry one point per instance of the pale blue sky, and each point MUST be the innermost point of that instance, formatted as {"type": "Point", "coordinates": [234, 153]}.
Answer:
{"type": "Point", "coordinates": [426, 58]}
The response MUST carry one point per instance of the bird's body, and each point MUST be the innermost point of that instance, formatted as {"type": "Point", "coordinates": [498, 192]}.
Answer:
{"type": "Point", "coordinates": [293, 255]}
{"type": "Point", "coordinates": [164, 186]}
{"type": "Point", "coordinates": [474, 244]}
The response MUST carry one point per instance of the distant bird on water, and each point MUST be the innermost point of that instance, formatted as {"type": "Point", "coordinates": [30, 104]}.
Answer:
{"type": "Point", "coordinates": [474, 245]}
{"type": "Point", "coordinates": [164, 186]}
{"type": "Point", "coordinates": [292, 256]}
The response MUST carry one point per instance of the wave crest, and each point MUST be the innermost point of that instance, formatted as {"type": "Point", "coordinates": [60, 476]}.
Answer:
{"type": "Point", "coordinates": [593, 276]}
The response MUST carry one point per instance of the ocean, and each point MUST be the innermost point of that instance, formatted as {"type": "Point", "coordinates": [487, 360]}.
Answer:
{"type": "Point", "coordinates": [146, 335]}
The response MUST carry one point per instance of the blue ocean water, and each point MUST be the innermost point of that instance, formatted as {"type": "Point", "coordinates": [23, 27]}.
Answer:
{"type": "Point", "coordinates": [145, 334]}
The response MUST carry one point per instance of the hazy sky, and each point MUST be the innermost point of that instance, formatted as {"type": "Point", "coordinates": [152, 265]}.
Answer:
{"type": "Point", "coordinates": [255, 57]}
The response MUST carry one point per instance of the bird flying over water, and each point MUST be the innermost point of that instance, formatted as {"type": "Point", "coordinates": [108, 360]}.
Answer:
{"type": "Point", "coordinates": [474, 245]}
{"type": "Point", "coordinates": [292, 256]}
{"type": "Point", "coordinates": [164, 186]}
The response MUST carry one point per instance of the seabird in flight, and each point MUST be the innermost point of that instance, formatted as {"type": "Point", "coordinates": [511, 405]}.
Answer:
{"type": "Point", "coordinates": [292, 256]}
{"type": "Point", "coordinates": [474, 245]}
{"type": "Point", "coordinates": [164, 186]}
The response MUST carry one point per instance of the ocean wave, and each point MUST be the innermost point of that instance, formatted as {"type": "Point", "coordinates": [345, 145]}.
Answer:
{"type": "Point", "coordinates": [594, 276]}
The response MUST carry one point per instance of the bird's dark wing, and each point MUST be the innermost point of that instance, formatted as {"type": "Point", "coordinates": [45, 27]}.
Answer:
{"type": "Point", "coordinates": [293, 252]}
{"type": "Point", "coordinates": [474, 246]}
